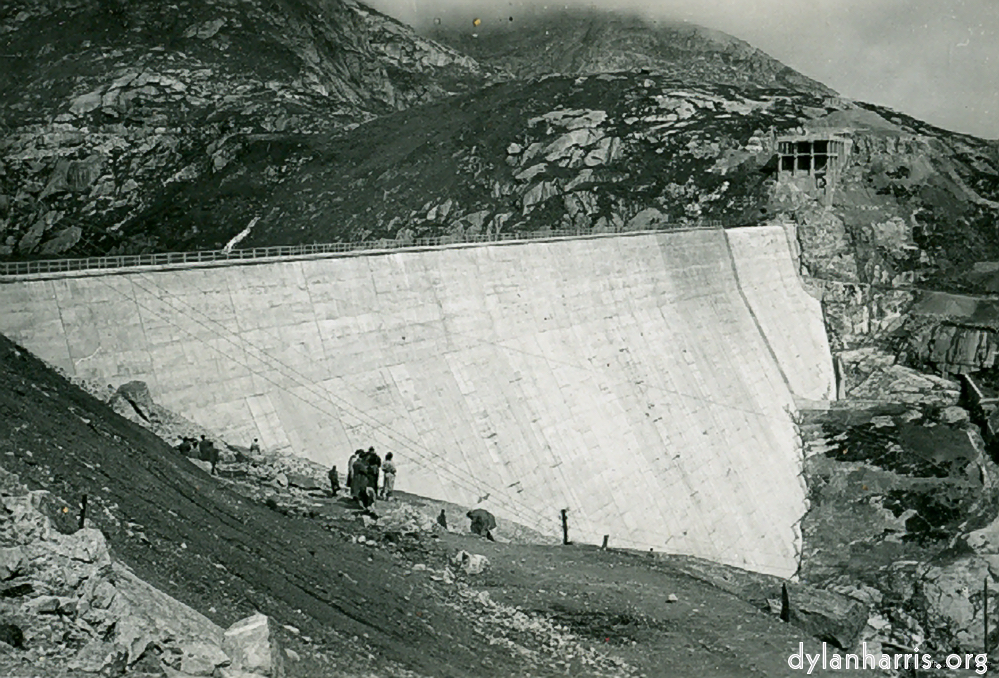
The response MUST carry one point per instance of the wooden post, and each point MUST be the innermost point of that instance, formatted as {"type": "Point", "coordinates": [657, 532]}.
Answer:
{"type": "Point", "coordinates": [83, 511]}
{"type": "Point", "coordinates": [603, 547]}
{"type": "Point", "coordinates": [985, 616]}
{"type": "Point", "coordinates": [565, 527]}
{"type": "Point", "coordinates": [785, 604]}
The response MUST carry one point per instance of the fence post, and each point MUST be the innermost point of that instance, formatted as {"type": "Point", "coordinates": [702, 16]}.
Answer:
{"type": "Point", "coordinates": [83, 511]}
{"type": "Point", "coordinates": [565, 527]}
{"type": "Point", "coordinates": [785, 603]}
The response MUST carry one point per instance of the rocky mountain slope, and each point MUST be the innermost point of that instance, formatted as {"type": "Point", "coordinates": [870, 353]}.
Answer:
{"type": "Point", "coordinates": [104, 103]}
{"type": "Point", "coordinates": [578, 41]}
{"type": "Point", "coordinates": [144, 128]}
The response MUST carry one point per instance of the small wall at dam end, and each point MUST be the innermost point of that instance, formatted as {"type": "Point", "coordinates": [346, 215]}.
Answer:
{"type": "Point", "coordinates": [643, 382]}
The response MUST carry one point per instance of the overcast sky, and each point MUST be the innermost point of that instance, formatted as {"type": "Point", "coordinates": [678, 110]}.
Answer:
{"type": "Point", "coordinates": [937, 60]}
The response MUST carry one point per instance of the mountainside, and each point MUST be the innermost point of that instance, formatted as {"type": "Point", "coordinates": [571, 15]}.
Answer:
{"type": "Point", "coordinates": [136, 128]}
{"type": "Point", "coordinates": [105, 102]}
{"type": "Point", "coordinates": [588, 41]}
{"type": "Point", "coordinates": [912, 203]}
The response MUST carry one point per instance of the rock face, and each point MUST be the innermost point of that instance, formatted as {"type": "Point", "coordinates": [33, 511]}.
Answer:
{"type": "Point", "coordinates": [161, 95]}
{"type": "Point", "coordinates": [253, 647]}
{"type": "Point", "coordinates": [65, 591]}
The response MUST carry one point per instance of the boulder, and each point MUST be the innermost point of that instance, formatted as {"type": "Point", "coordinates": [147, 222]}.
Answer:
{"type": "Point", "coordinates": [647, 219]}
{"type": "Point", "coordinates": [986, 539]}
{"type": "Point", "coordinates": [253, 647]}
{"type": "Point", "coordinates": [471, 563]}
{"type": "Point", "coordinates": [303, 481]}
{"type": "Point", "coordinates": [11, 562]}
{"type": "Point", "coordinates": [829, 616]}
{"type": "Point", "coordinates": [62, 241]}
{"type": "Point", "coordinates": [108, 659]}
{"type": "Point", "coordinates": [201, 659]}
{"type": "Point", "coordinates": [149, 615]}
{"type": "Point", "coordinates": [86, 103]}
{"type": "Point", "coordinates": [952, 599]}
{"type": "Point", "coordinates": [61, 515]}
{"type": "Point", "coordinates": [954, 415]}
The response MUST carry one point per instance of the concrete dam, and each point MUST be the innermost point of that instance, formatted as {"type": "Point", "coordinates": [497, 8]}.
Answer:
{"type": "Point", "coordinates": [645, 382]}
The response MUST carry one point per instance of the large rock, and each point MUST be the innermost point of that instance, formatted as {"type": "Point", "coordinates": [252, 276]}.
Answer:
{"type": "Point", "coordinates": [86, 103]}
{"type": "Point", "coordinates": [471, 563]}
{"type": "Point", "coordinates": [62, 515]}
{"type": "Point", "coordinates": [648, 219]}
{"type": "Point", "coordinates": [62, 241]}
{"type": "Point", "coordinates": [952, 600]}
{"type": "Point", "coordinates": [150, 616]}
{"type": "Point", "coordinates": [828, 616]}
{"type": "Point", "coordinates": [11, 562]}
{"type": "Point", "coordinates": [97, 656]}
{"type": "Point", "coordinates": [201, 659]}
{"type": "Point", "coordinates": [303, 481]}
{"type": "Point", "coordinates": [253, 647]}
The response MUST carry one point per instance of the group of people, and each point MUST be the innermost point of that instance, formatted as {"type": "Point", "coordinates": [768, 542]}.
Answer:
{"type": "Point", "coordinates": [203, 449]}
{"type": "Point", "coordinates": [363, 471]}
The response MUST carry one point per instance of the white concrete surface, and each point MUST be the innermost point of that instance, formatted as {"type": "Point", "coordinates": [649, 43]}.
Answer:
{"type": "Point", "coordinates": [631, 380]}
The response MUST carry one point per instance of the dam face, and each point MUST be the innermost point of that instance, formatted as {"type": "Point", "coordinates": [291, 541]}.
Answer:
{"type": "Point", "coordinates": [644, 382]}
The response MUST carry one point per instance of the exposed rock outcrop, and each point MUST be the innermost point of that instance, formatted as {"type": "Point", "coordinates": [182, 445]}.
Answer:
{"type": "Point", "coordinates": [81, 610]}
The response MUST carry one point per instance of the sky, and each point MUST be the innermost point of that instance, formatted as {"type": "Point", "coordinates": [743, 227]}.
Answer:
{"type": "Point", "coordinates": [937, 60]}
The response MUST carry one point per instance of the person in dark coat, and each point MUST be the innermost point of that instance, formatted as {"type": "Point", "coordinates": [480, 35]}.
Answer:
{"type": "Point", "coordinates": [442, 519]}
{"type": "Point", "coordinates": [483, 523]}
{"type": "Point", "coordinates": [208, 452]}
{"type": "Point", "coordinates": [334, 481]}
{"type": "Point", "coordinates": [374, 468]}
{"type": "Point", "coordinates": [360, 488]}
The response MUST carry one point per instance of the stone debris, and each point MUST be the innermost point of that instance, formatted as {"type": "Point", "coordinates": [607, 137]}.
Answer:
{"type": "Point", "coordinates": [536, 640]}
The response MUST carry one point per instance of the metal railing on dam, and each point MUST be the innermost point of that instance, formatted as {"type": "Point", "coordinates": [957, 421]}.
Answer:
{"type": "Point", "coordinates": [113, 262]}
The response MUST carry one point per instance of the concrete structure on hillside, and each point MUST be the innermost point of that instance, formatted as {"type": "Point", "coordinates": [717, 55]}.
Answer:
{"type": "Point", "coordinates": [645, 382]}
{"type": "Point", "coordinates": [814, 159]}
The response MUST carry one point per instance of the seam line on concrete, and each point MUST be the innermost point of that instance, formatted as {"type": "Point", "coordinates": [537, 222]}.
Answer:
{"type": "Point", "coordinates": [62, 324]}
{"type": "Point", "coordinates": [142, 323]}
{"type": "Point", "coordinates": [752, 314]}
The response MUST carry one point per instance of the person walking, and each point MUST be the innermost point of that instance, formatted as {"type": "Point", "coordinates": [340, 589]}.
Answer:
{"type": "Point", "coordinates": [388, 472]}
{"type": "Point", "coordinates": [208, 452]}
